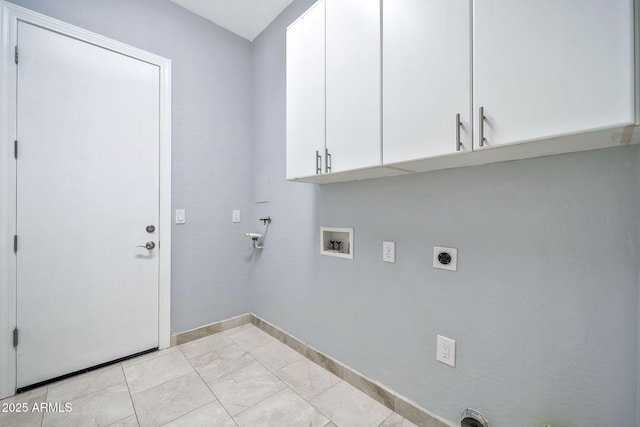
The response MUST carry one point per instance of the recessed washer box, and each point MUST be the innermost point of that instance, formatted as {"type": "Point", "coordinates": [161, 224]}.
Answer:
{"type": "Point", "coordinates": [336, 242]}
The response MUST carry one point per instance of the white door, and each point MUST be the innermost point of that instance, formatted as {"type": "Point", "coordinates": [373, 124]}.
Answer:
{"type": "Point", "coordinates": [87, 188]}
{"type": "Point", "coordinates": [353, 134]}
{"type": "Point", "coordinates": [548, 68]}
{"type": "Point", "coordinates": [427, 78]}
{"type": "Point", "coordinates": [305, 94]}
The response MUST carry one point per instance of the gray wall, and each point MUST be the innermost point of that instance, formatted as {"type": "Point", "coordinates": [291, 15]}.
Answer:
{"type": "Point", "coordinates": [211, 143]}
{"type": "Point", "coordinates": [544, 306]}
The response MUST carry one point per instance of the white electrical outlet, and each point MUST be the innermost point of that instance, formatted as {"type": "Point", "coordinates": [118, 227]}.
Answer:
{"type": "Point", "coordinates": [446, 351]}
{"type": "Point", "coordinates": [389, 251]}
{"type": "Point", "coordinates": [445, 258]}
{"type": "Point", "coordinates": [235, 215]}
{"type": "Point", "coordinates": [181, 216]}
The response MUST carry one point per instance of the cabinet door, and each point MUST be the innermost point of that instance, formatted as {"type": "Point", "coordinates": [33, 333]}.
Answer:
{"type": "Point", "coordinates": [305, 92]}
{"type": "Point", "coordinates": [427, 78]}
{"type": "Point", "coordinates": [353, 84]}
{"type": "Point", "coordinates": [547, 68]}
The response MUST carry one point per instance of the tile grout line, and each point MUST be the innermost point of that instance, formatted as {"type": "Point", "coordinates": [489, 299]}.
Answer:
{"type": "Point", "coordinates": [336, 385]}
{"type": "Point", "coordinates": [135, 412]}
{"type": "Point", "coordinates": [191, 411]}
{"type": "Point", "coordinates": [157, 355]}
{"type": "Point", "coordinates": [80, 376]}
{"type": "Point", "coordinates": [207, 385]}
{"type": "Point", "coordinates": [256, 361]}
{"type": "Point", "coordinates": [283, 382]}
{"type": "Point", "coordinates": [304, 357]}
{"type": "Point", "coordinates": [213, 328]}
{"type": "Point", "coordinates": [301, 397]}
{"type": "Point", "coordinates": [408, 410]}
{"type": "Point", "coordinates": [164, 382]}
{"type": "Point", "coordinates": [331, 420]}
{"type": "Point", "coordinates": [387, 419]}
{"type": "Point", "coordinates": [46, 396]}
{"type": "Point", "coordinates": [206, 353]}
{"type": "Point", "coordinates": [257, 403]}
{"type": "Point", "coordinates": [283, 336]}
{"type": "Point", "coordinates": [228, 345]}
{"type": "Point", "coordinates": [287, 386]}
{"type": "Point", "coordinates": [85, 395]}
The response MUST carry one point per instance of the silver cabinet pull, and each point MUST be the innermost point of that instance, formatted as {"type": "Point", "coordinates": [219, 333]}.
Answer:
{"type": "Point", "coordinates": [148, 245]}
{"type": "Point", "coordinates": [318, 163]}
{"type": "Point", "coordinates": [481, 120]}
{"type": "Point", "coordinates": [458, 124]}
{"type": "Point", "coordinates": [327, 162]}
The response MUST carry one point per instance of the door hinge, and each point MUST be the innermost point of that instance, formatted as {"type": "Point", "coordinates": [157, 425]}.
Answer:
{"type": "Point", "coordinates": [15, 243]}
{"type": "Point", "coordinates": [16, 54]}
{"type": "Point", "coordinates": [15, 337]}
{"type": "Point", "coordinates": [15, 148]}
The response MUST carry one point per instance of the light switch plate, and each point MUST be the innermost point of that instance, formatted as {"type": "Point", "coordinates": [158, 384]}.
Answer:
{"type": "Point", "coordinates": [446, 351]}
{"type": "Point", "coordinates": [181, 217]}
{"type": "Point", "coordinates": [235, 215]}
{"type": "Point", "coordinates": [389, 251]}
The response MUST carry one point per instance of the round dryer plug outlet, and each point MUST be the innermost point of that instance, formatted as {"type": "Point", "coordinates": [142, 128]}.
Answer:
{"type": "Point", "coordinates": [445, 258]}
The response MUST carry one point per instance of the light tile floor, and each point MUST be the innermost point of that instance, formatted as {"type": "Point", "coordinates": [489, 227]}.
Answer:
{"type": "Point", "coordinates": [241, 377]}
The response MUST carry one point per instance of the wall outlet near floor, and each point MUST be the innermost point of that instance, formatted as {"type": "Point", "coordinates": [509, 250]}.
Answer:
{"type": "Point", "coordinates": [445, 258]}
{"type": "Point", "coordinates": [235, 215]}
{"type": "Point", "coordinates": [446, 351]}
{"type": "Point", "coordinates": [389, 251]}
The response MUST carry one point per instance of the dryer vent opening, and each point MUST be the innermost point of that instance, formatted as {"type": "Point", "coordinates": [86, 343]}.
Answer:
{"type": "Point", "coordinates": [473, 418]}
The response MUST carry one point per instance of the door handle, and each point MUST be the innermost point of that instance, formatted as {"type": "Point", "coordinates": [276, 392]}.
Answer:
{"type": "Point", "coordinates": [148, 245]}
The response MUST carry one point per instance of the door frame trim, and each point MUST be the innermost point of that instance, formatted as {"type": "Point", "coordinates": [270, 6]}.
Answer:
{"type": "Point", "coordinates": [10, 15]}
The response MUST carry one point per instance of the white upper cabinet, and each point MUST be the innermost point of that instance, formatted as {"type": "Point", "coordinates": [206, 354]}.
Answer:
{"type": "Point", "coordinates": [426, 78]}
{"type": "Point", "coordinates": [549, 68]}
{"type": "Point", "coordinates": [305, 93]}
{"type": "Point", "coordinates": [353, 84]}
{"type": "Point", "coordinates": [381, 88]}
